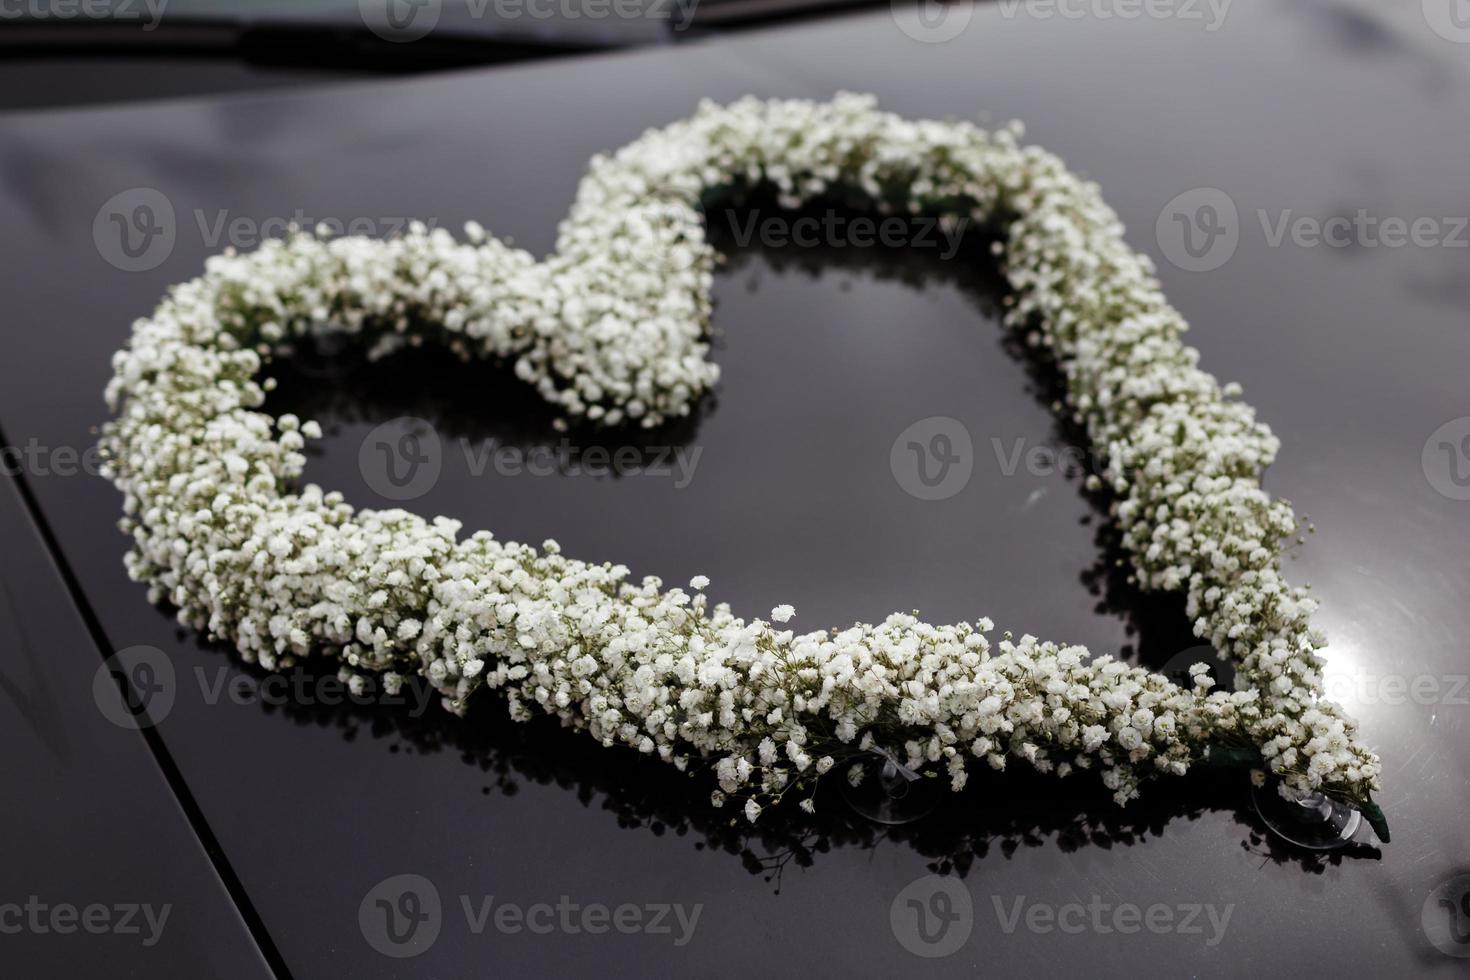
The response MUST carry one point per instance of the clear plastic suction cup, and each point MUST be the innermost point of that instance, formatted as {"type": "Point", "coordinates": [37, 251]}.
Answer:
{"type": "Point", "coordinates": [889, 792]}
{"type": "Point", "coordinates": [1315, 822]}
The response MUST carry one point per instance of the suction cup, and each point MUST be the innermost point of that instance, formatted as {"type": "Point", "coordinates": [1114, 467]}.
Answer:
{"type": "Point", "coordinates": [1315, 822]}
{"type": "Point", "coordinates": [889, 792]}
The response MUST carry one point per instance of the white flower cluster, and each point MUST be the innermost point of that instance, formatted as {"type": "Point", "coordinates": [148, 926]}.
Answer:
{"type": "Point", "coordinates": [612, 328]}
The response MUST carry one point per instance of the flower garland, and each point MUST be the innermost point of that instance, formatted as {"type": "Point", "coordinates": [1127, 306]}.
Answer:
{"type": "Point", "coordinates": [612, 328]}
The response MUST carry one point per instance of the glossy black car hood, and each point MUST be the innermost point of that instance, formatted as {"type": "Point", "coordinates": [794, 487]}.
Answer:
{"type": "Point", "coordinates": [1355, 356]}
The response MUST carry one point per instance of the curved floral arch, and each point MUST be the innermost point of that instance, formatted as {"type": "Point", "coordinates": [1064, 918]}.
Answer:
{"type": "Point", "coordinates": [612, 328]}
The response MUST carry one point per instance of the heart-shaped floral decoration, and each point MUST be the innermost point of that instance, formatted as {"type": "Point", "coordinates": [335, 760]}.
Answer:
{"type": "Point", "coordinates": [612, 328]}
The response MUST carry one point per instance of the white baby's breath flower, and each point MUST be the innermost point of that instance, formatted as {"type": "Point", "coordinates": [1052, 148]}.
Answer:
{"type": "Point", "coordinates": [613, 328]}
